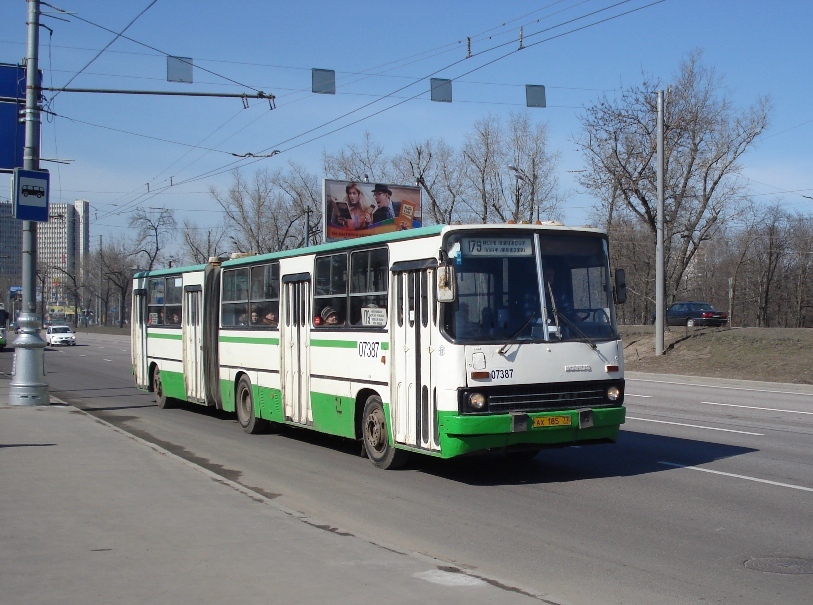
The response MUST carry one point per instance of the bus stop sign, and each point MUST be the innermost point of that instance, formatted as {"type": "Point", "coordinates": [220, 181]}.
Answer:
{"type": "Point", "coordinates": [30, 195]}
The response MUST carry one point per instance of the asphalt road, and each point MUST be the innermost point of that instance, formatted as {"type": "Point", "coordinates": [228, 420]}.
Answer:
{"type": "Point", "coordinates": [707, 496]}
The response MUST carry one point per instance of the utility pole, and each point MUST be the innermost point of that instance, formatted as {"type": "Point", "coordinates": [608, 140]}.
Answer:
{"type": "Point", "coordinates": [99, 310]}
{"type": "Point", "coordinates": [28, 385]}
{"type": "Point", "coordinates": [659, 255]}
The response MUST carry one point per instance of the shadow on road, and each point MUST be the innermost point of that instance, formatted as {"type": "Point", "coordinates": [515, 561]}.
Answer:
{"type": "Point", "coordinates": [636, 453]}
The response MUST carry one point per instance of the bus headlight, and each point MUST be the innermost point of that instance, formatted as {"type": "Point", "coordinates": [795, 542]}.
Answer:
{"type": "Point", "coordinates": [613, 393]}
{"type": "Point", "coordinates": [477, 402]}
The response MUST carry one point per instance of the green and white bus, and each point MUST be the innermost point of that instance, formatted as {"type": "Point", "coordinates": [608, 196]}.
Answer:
{"type": "Point", "coordinates": [441, 340]}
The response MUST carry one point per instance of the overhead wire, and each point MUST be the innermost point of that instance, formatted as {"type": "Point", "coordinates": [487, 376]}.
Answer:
{"type": "Point", "coordinates": [151, 47]}
{"type": "Point", "coordinates": [281, 143]}
{"type": "Point", "coordinates": [109, 44]}
{"type": "Point", "coordinates": [247, 162]}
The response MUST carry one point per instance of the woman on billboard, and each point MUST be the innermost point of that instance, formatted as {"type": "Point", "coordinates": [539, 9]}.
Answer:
{"type": "Point", "coordinates": [354, 211]}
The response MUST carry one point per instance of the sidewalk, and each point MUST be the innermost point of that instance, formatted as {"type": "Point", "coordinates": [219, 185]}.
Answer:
{"type": "Point", "coordinates": [91, 515]}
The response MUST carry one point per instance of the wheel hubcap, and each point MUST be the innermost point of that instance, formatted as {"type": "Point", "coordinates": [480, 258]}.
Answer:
{"type": "Point", "coordinates": [375, 430]}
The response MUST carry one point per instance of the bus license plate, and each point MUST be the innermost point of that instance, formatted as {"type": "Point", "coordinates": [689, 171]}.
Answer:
{"type": "Point", "coordinates": [552, 421]}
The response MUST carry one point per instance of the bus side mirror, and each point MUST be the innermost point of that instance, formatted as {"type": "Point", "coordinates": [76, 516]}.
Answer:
{"type": "Point", "coordinates": [620, 287]}
{"type": "Point", "coordinates": [446, 284]}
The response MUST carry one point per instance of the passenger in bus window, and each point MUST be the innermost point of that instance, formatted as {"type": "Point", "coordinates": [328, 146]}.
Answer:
{"type": "Point", "coordinates": [255, 316]}
{"type": "Point", "coordinates": [270, 318]}
{"type": "Point", "coordinates": [242, 318]}
{"type": "Point", "coordinates": [176, 318]}
{"type": "Point", "coordinates": [330, 317]}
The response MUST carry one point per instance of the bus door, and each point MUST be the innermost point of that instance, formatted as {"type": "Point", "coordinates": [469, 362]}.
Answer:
{"type": "Point", "coordinates": [295, 344]}
{"type": "Point", "coordinates": [412, 392]}
{"type": "Point", "coordinates": [192, 320]}
{"type": "Point", "coordinates": [138, 321]}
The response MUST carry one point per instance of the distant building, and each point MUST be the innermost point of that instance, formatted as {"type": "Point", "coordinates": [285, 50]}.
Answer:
{"type": "Point", "coordinates": [11, 250]}
{"type": "Point", "coordinates": [63, 249]}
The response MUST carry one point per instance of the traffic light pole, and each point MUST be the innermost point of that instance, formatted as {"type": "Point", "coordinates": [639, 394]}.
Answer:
{"type": "Point", "coordinates": [28, 385]}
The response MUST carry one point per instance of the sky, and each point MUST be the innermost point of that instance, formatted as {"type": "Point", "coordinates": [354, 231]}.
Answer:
{"type": "Point", "coordinates": [383, 53]}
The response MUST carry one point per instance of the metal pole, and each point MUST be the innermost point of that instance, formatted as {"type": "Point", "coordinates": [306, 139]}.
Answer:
{"type": "Point", "coordinates": [659, 262]}
{"type": "Point", "coordinates": [99, 311]}
{"type": "Point", "coordinates": [28, 385]}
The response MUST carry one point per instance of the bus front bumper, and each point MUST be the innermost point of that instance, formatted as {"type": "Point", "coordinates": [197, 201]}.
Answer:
{"type": "Point", "coordinates": [461, 434]}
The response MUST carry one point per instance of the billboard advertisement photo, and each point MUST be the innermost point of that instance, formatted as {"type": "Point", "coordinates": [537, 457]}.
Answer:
{"type": "Point", "coordinates": [357, 209]}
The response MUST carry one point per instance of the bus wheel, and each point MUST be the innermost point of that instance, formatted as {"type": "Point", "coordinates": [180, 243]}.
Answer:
{"type": "Point", "coordinates": [161, 398]}
{"type": "Point", "coordinates": [376, 437]}
{"type": "Point", "coordinates": [245, 409]}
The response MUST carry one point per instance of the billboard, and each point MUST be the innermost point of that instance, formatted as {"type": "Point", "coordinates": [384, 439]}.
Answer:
{"type": "Point", "coordinates": [352, 209]}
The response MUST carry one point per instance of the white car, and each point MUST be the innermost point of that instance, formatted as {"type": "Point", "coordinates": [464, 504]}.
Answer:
{"type": "Point", "coordinates": [59, 335]}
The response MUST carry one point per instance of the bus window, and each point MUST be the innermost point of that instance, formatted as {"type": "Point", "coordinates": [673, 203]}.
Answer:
{"type": "Point", "coordinates": [155, 301]}
{"type": "Point", "coordinates": [235, 297]}
{"type": "Point", "coordinates": [368, 288]}
{"type": "Point", "coordinates": [331, 290]}
{"type": "Point", "coordinates": [264, 299]}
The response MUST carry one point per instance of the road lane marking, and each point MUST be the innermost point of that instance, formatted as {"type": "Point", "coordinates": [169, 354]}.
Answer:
{"type": "Point", "coordinates": [108, 360]}
{"type": "Point", "coordinates": [706, 470]}
{"type": "Point", "coordinates": [749, 407]}
{"type": "Point", "coordinates": [695, 426]}
{"type": "Point", "coordinates": [644, 396]}
{"type": "Point", "coordinates": [714, 386]}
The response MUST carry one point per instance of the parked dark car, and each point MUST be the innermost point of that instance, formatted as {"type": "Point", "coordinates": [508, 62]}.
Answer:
{"type": "Point", "coordinates": [691, 314]}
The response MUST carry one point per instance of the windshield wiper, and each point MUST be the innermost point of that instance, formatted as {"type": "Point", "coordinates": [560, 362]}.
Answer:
{"type": "Point", "coordinates": [557, 314]}
{"type": "Point", "coordinates": [582, 336]}
{"type": "Point", "coordinates": [504, 349]}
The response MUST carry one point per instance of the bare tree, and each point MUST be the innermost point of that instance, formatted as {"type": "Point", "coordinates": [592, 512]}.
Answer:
{"type": "Point", "coordinates": [705, 136]}
{"type": "Point", "coordinates": [299, 216]}
{"type": "Point", "coordinates": [437, 169]}
{"type": "Point", "coordinates": [359, 162]}
{"type": "Point", "coordinates": [267, 212]}
{"type": "Point", "coordinates": [536, 194]}
{"type": "Point", "coordinates": [117, 260]}
{"type": "Point", "coordinates": [484, 154]}
{"type": "Point", "coordinates": [800, 249]}
{"type": "Point", "coordinates": [249, 207]}
{"type": "Point", "coordinates": [152, 229]}
{"type": "Point", "coordinates": [201, 243]}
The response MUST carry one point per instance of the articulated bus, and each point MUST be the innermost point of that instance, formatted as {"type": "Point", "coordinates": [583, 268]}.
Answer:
{"type": "Point", "coordinates": [441, 340]}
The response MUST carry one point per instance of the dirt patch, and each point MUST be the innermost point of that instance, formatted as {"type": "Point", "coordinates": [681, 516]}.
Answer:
{"type": "Point", "coordinates": [769, 354]}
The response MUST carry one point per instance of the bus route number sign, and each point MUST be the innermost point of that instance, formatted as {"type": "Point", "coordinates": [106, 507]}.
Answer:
{"type": "Point", "coordinates": [497, 246]}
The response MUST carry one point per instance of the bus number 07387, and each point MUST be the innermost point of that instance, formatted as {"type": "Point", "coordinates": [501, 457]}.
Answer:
{"type": "Point", "coordinates": [368, 349]}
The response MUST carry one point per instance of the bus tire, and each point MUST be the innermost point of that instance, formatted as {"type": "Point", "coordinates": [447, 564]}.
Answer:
{"type": "Point", "coordinates": [161, 398]}
{"type": "Point", "coordinates": [376, 437]}
{"type": "Point", "coordinates": [244, 403]}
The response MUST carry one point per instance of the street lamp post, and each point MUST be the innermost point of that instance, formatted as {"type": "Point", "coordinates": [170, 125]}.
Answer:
{"type": "Point", "coordinates": [28, 385]}
{"type": "Point", "coordinates": [520, 175]}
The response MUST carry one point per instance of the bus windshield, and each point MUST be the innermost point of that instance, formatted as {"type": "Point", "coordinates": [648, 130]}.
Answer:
{"type": "Point", "coordinates": [533, 286]}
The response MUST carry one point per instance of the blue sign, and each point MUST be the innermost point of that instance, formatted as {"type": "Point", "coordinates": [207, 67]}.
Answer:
{"type": "Point", "coordinates": [31, 195]}
{"type": "Point", "coordinates": [12, 102]}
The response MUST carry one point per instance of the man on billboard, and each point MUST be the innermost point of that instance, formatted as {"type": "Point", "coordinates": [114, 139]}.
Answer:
{"type": "Point", "coordinates": [382, 195]}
